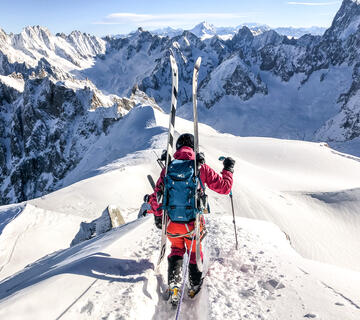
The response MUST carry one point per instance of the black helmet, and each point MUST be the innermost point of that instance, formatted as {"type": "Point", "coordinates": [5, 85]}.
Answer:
{"type": "Point", "coordinates": [186, 139]}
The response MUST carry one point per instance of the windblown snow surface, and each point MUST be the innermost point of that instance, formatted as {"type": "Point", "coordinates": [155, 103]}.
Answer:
{"type": "Point", "coordinates": [306, 190]}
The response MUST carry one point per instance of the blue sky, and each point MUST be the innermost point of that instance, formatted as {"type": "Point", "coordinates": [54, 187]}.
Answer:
{"type": "Point", "coordinates": [118, 16]}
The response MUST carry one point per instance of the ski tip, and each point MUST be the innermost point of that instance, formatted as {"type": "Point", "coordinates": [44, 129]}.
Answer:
{"type": "Point", "coordinates": [197, 63]}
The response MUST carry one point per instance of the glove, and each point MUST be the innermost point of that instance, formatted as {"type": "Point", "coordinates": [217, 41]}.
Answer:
{"type": "Point", "coordinates": [163, 156]}
{"type": "Point", "coordinates": [146, 198]}
{"type": "Point", "coordinates": [144, 210]}
{"type": "Point", "coordinates": [158, 221]}
{"type": "Point", "coordinates": [200, 158]}
{"type": "Point", "coordinates": [229, 164]}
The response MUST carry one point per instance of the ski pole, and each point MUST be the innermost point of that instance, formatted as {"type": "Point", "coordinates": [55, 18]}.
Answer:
{"type": "Point", "coordinates": [222, 158]}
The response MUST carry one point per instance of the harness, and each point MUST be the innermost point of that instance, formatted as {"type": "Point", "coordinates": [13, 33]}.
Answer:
{"type": "Point", "coordinates": [190, 234]}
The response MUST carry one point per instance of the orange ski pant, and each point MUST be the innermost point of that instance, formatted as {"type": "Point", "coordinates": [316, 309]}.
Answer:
{"type": "Point", "coordinates": [179, 245]}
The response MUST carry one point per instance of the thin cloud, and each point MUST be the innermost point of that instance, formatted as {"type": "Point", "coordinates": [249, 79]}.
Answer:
{"type": "Point", "coordinates": [166, 19]}
{"type": "Point", "coordinates": [313, 3]}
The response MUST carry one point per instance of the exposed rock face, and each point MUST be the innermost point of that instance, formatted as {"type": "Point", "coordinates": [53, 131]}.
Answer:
{"type": "Point", "coordinates": [47, 129]}
{"type": "Point", "coordinates": [43, 130]}
{"type": "Point", "coordinates": [346, 124]}
{"type": "Point", "coordinates": [9, 93]}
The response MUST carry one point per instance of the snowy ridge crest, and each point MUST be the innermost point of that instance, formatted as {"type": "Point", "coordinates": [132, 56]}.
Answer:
{"type": "Point", "coordinates": [68, 52]}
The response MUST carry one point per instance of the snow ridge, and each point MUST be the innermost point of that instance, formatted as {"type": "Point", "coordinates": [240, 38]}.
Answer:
{"type": "Point", "coordinates": [307, 189]}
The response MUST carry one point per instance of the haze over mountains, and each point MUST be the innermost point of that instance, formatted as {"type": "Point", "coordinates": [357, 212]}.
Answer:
{"type": "Point", "coordinates": [60, 93]}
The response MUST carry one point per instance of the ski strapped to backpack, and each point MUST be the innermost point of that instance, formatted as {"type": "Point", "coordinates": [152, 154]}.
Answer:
{"type": "Point", "coordinates": [169, 149]}
{"type": "Point", "coordinates": [196, 149]}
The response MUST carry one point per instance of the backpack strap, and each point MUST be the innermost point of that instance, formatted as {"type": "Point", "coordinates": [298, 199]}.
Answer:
{"type": "Point", "coordinates": [201, 184]}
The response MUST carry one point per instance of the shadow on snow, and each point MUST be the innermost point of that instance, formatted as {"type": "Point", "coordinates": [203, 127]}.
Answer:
{"type": "Point", "coordinates": [82, 259]}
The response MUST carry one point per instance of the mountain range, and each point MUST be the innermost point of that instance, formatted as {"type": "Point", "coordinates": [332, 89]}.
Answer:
{"type": "Point", "coordinates": [205, 30]}
{"type": "Point", "coordinates": [59, 94]}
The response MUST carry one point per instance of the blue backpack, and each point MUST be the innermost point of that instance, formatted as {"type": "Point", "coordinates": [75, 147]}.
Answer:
{"type": "Point", "coordinates": [180, 191]}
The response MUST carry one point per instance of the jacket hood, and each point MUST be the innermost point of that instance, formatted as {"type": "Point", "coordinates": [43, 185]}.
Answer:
{"type": "Point", "coordinates": [184, 153]}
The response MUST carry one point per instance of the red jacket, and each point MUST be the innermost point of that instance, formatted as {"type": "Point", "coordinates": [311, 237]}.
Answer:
{"type": "Point", "coordinates": [220, 184]}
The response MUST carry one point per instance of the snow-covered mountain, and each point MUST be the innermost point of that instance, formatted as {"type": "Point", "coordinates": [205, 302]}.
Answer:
{"type": "Point", "coordinates": [308, 190]}
{"type": "Point", "coordinates": [35, 46]}
{"type": "Point", "coordinates": [47, 124]}
{"type": "Point", "coordinates": [60, 93]}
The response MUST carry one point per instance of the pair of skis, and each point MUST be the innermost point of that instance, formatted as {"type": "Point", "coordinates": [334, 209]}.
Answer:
{"type": "Point", "coordinates": [169, 150]}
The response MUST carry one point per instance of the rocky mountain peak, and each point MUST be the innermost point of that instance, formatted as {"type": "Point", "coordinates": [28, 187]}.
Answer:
{"type": "Point", "coordinates": [36, 31]}
{"type": "Point", "coordinates": [346, 21]}
{"type": "Point", "coordinates": [203, 29]}
{"type": "Point", "coordinates": [242, 38]}
{"type": "Point", "coordinates": [270, 37]}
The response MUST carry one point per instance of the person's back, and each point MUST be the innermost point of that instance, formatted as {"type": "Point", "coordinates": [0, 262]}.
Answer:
{"type": "Point", "coordinates": [180, 231]}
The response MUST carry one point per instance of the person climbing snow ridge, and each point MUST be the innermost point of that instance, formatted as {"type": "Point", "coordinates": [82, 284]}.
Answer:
{"type": "Point", "coordinates": [179, 199]}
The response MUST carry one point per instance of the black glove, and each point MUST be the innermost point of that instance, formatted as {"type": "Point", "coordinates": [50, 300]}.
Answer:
{"type": "Point", "coordinates": [158, 221]}
{"type": "Point", "coordinates": [200, 158]}
{"type": "Point", "coordinates": [229, 164]}
{"type": "Point", "coordinates": [146, 198]}
{"type": "Point", "coordinates": [163, 156]}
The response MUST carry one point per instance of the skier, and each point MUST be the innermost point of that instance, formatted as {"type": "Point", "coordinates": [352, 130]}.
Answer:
{"type": "Point", "coordinates": [180, 233]}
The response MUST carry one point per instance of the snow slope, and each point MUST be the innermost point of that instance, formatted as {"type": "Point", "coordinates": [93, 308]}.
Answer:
{"type": "Point", "coordinates": [307, 189]}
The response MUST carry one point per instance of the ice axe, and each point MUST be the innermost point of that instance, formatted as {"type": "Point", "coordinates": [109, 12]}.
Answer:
{"type": "Point", "coordinates": [222, 158]}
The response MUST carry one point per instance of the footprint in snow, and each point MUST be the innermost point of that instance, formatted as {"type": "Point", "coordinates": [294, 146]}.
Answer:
{"type": "Point", "coordinates": [87, 308]}
{"type": "Point", "coordinates": [271, 285]}
{"type": "Point", "coordinates": [246, 268]}
{"type": "Point", "coordinates": [310, 315]}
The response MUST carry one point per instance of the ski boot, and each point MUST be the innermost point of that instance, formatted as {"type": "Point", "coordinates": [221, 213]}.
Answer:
{"type": "Point", "coordinates": [174, 278]}
{"type": "Point", "coordinates": [174, 295]}
{"type": "Point", "coordinates": [195, 280]}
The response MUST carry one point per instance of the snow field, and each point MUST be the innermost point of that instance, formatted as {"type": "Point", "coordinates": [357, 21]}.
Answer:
{"type": "Point", "coordinates": [112, 277]}
{"type": "Point", "coordinates": [308, 190]}
{"type": "Point", "coordinates": [31, 235]}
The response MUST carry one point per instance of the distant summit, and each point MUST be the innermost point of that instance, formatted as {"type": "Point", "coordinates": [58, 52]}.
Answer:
{"type": "Point", "coordinates": [204, 30]}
